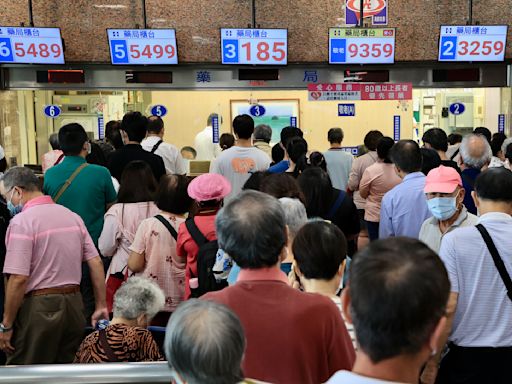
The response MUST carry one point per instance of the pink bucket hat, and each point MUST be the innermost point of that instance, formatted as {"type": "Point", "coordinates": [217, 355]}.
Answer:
{"type": "Point", "coordinates": [209, 186]}
{"type": "Point", "coordinates": [442, 180]}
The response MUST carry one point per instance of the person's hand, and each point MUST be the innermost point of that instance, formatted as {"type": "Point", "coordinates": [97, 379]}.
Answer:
{"type": "Point", "coordinates": [99, 313]}
{"type": "Point", "coordinates": [293, 281]}
{"type": "Point", "coordinates": [429, 374]}
{"type": "Point", "coordinates": [5, 342]}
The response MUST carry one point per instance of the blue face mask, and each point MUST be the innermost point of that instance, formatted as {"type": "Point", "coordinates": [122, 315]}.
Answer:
{"type": "Point", "coordinates": [14, 209]}
{"type": "Point", "coordinates": [443, 208]}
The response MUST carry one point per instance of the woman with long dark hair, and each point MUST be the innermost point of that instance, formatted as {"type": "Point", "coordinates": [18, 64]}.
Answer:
{"type": "Point", "coordinates": [135, 202]}
{"type": "Point", "coordinates": [297, 149]}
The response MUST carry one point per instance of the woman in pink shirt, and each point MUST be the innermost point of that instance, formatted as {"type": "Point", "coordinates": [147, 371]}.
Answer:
{"type": "Point", "coordinates": [153, 252]}
{"type": "Point", "coordinates": [134, 204]}
{"type": "Point", "coordinates": [377, 180]}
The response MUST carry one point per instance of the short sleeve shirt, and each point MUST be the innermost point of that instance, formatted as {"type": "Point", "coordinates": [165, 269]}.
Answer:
{"type": "Point", "coordinates": [48, 243]}
{"type": "Point", "coordinates": [88, 195]}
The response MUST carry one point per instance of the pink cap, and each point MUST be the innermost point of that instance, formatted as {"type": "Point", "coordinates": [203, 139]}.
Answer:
{"type": "Point", "coordinates": [442, 180]}
{"type": "Point", "coordinates": [209, 186]}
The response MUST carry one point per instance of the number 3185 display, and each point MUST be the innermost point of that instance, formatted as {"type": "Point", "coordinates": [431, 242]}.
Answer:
{"type": "Point", "coordinates": [254, 52]}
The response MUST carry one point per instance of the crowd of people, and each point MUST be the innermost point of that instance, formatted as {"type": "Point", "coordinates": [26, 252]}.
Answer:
{"type": "Point", "coordinates": [281, 265]}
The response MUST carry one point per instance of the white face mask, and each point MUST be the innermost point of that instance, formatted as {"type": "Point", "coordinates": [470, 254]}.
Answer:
{"type": "Point", "coordinates": [89, 148]}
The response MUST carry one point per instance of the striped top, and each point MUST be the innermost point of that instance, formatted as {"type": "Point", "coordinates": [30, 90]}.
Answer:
{"type": "Point", "coordinates": [483, 317]}
{"type": "Point", "coordinates": [350, 327]}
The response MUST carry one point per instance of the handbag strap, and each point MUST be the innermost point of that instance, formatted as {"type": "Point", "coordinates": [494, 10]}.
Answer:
{"type": "Point", "coordinates": [68, 182]}
{"type": "Point", "coordinates": [498, 261]}
{"type": "Point", "coordinates": [155, 147]}
{"type": "Point", "coordinates": [336, 205]}
{"type": "Point", "coordinates": [59, 159]}
{"type": "Point", "coordinates": [167, 225]}
{"type": "Point", "coordinates": [107, 348]}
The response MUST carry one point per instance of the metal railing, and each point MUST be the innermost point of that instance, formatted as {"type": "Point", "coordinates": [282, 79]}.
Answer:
{"type": "Point", "coordinates": [108, 373]}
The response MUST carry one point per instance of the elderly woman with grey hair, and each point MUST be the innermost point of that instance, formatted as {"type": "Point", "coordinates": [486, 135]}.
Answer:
{"type": "Point", "coordinates": [204, 343]}
{"type": "Point", "coordinates": [126, 339]}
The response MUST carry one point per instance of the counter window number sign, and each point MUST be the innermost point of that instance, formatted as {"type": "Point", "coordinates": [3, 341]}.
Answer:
{"type": "Point", "coordinates": [457, 109]}
{"type": "Point", "coordinates": [159, 110]}
{"type": "Point", "coordinates": [52, 111]}
{"type": "Point", "coordinates": [257, 110]}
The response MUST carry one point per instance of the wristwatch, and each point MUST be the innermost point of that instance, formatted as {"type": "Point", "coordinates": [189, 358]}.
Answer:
{"type": "Point", "coordinates": [4, 329]}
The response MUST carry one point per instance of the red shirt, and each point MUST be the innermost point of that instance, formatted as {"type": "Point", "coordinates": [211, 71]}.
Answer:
{"type": "Point", "coordinates": [187, 247]}
{"type": "Point", "coordinates": [292, 336]}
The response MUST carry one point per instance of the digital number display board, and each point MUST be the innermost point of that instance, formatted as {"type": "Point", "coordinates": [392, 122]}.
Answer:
{"type": "Point", "coordinates": [29, 45]}
{"type": "Point", "coordinates": [472, 43]}
{"type": "Point", "coordinates": [143, 46]}
{"type": "Point", "coordinates": [361, 46]}
{"type": "Point", "coordinates": [254, 46]}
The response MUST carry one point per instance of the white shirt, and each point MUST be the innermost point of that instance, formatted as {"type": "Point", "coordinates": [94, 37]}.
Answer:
{"type": "Point", "coordinates": [483, 316]}
{"type": "Point", "coordinates": [339, 164]}
{"type": "Point", "coordinates": [171, 156]}
{"type": "Point", "coordinates": [237, 163]}
{"type": "Point", "coordinates": [206, 149]}
{"type": "Point", "coordinates": [346, 377]}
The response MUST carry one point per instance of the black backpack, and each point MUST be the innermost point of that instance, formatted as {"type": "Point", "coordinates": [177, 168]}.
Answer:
{"type": "Point", "coordinates": [205, 261]}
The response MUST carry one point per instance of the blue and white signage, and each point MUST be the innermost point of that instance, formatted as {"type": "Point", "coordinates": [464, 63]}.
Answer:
{"type": "Point", "coordinates": [52, 111]}
{"type": "Point", "coordinates": [257, 110]}
{"type": "Point", "coordinates": [254, 46]}
{"type": "Point", "coordinates": [101, 127]}
{"type": "Point", "coordinates": [22, 45]}
{"type": "Point", "coordinates": [215, 129]}
{"type": "Point", "coordinates": [346, 110]}
{"type": "Point", "coordinates": [457, 109]}
{"type": "Point", "coordinates": [293, 121]}
{"type": "Point", "coordinates": [142, 46]}
{"type": "Point", "coordinates": [396, 127]}
{"type": "Point", "coordinates": [158, 110]}
{"type": "Point", "coordinates": [472, 43]}
{"type": "Point", "coordinates": [354, 151]}
{"type": "Point", "coordinates": [361, 46]}
{"type": "Point", "coordinates": [501, 123]}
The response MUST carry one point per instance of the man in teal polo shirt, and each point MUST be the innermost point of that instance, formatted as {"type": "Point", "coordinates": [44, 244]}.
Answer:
{"type": "Point", "coordinates": [85, 189]}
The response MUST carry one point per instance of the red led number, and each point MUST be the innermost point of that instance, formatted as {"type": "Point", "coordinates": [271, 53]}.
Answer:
{"type": "Point", "coordinates": [476, 48]}
{"type": "Point", "coordinates": [149, 51]}
{"type": "Point", "coordinates": [263, 51]}
{"type": "Point", "coordinates": [38, 50]}
{"type": "Point", "coordinates": [367, 50]}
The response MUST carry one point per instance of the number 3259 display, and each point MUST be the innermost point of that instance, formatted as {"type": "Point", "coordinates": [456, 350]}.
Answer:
{"type": "Point", "coordinates": [457, 49]}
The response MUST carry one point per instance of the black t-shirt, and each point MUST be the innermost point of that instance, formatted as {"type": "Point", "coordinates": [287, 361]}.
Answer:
{"type": "Point", "coordinates": [451, 164]}
{"type": "Point", "coordinates": [346, 218]}
{"type": "Point", "coordinates": [121, 157]}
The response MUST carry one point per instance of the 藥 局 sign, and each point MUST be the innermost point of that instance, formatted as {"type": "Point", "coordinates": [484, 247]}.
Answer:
{"type": "Point", "coordinates": [359, 91]}
{"type": "Point", "coordinates": [376, 9]}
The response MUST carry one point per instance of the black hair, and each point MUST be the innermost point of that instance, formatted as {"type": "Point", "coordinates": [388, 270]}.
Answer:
{"type": "Point", "coordinates": [113, 134]}
{"type": "Point", "coordinates": [319, 248]}
{"type": "Point", "coordinates": [437, 139]}
{"type": "Point", "coordinates": [399, 290]}
{"type": "Point", "coordinates": [254, 181]}
{"type": "Point", "coordinates": [317, 159]}
{"type": "Point", "coordinates": [281, 185]}
{"type": "Point", "coordinates": [135, 125]}
{"type": "Point", "coordinates": [137, 183]}
{"type": "Point", "coordinates": [335, 135]}
{"type": "Point", "coordinates": [288, 133]}
{"type": "Point", "coordinates": [384, 147]}
{"type": "Point", "coordinates": [484, 132]}
{"type": "Point", "coordinates": [406, 155]}
{"type": "Point", "coordinates": [297, 150]}
{"type": "Point", "coordinates": [172, 195]}
{"type": "Point", "coordinates": [508, 153]}
{"type": "Point", "coordinates": [317, 189]}
{"type": "Point", "coordinates": [72, 138]}
{"type": "Point", "coordinates": [371, 139]}
{"type": "Point", "coordinates": [226, 141]}
{"type": "Point", "coordinates": [495, 184]}
{"type": "Point", "coordinates": [497, 141]}
{"type": "Point", "coordinates": [97, 156]}
{"type": "Point", "coordinates": [277, 153]}
{"type": "Point", "coordinates": [3, 164]}
{"type": "Point", "coordinates": [155, 124]}
{"type": "Point", "coordinates": [243, 126]}
{"type": "Point", "coordinates": [430, 159]}
{"type": "Point", "coordinates": [454, 138]}
{"type": "Point", "coordinates": [54, 141]}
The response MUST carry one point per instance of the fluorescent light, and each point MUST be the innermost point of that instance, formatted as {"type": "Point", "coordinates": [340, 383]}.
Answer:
{"type": "Point", "coordinates": [110, 6]}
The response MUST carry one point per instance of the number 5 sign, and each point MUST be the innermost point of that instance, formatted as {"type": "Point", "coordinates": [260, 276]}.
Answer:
{"type": "Point", "coordinates": [159, 110]}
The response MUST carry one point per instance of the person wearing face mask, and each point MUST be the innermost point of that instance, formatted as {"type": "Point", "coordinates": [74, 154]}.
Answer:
{"type": "Point", "coordinates": [126, 338]}
{"type": "Point", "coordinates": [83, 188]}
{"type": "Point", "coordinates": [445, 199]}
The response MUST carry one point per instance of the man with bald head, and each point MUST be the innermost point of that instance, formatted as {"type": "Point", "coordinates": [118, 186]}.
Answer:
{"type": "Point", "coordinates": [475, 154]}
